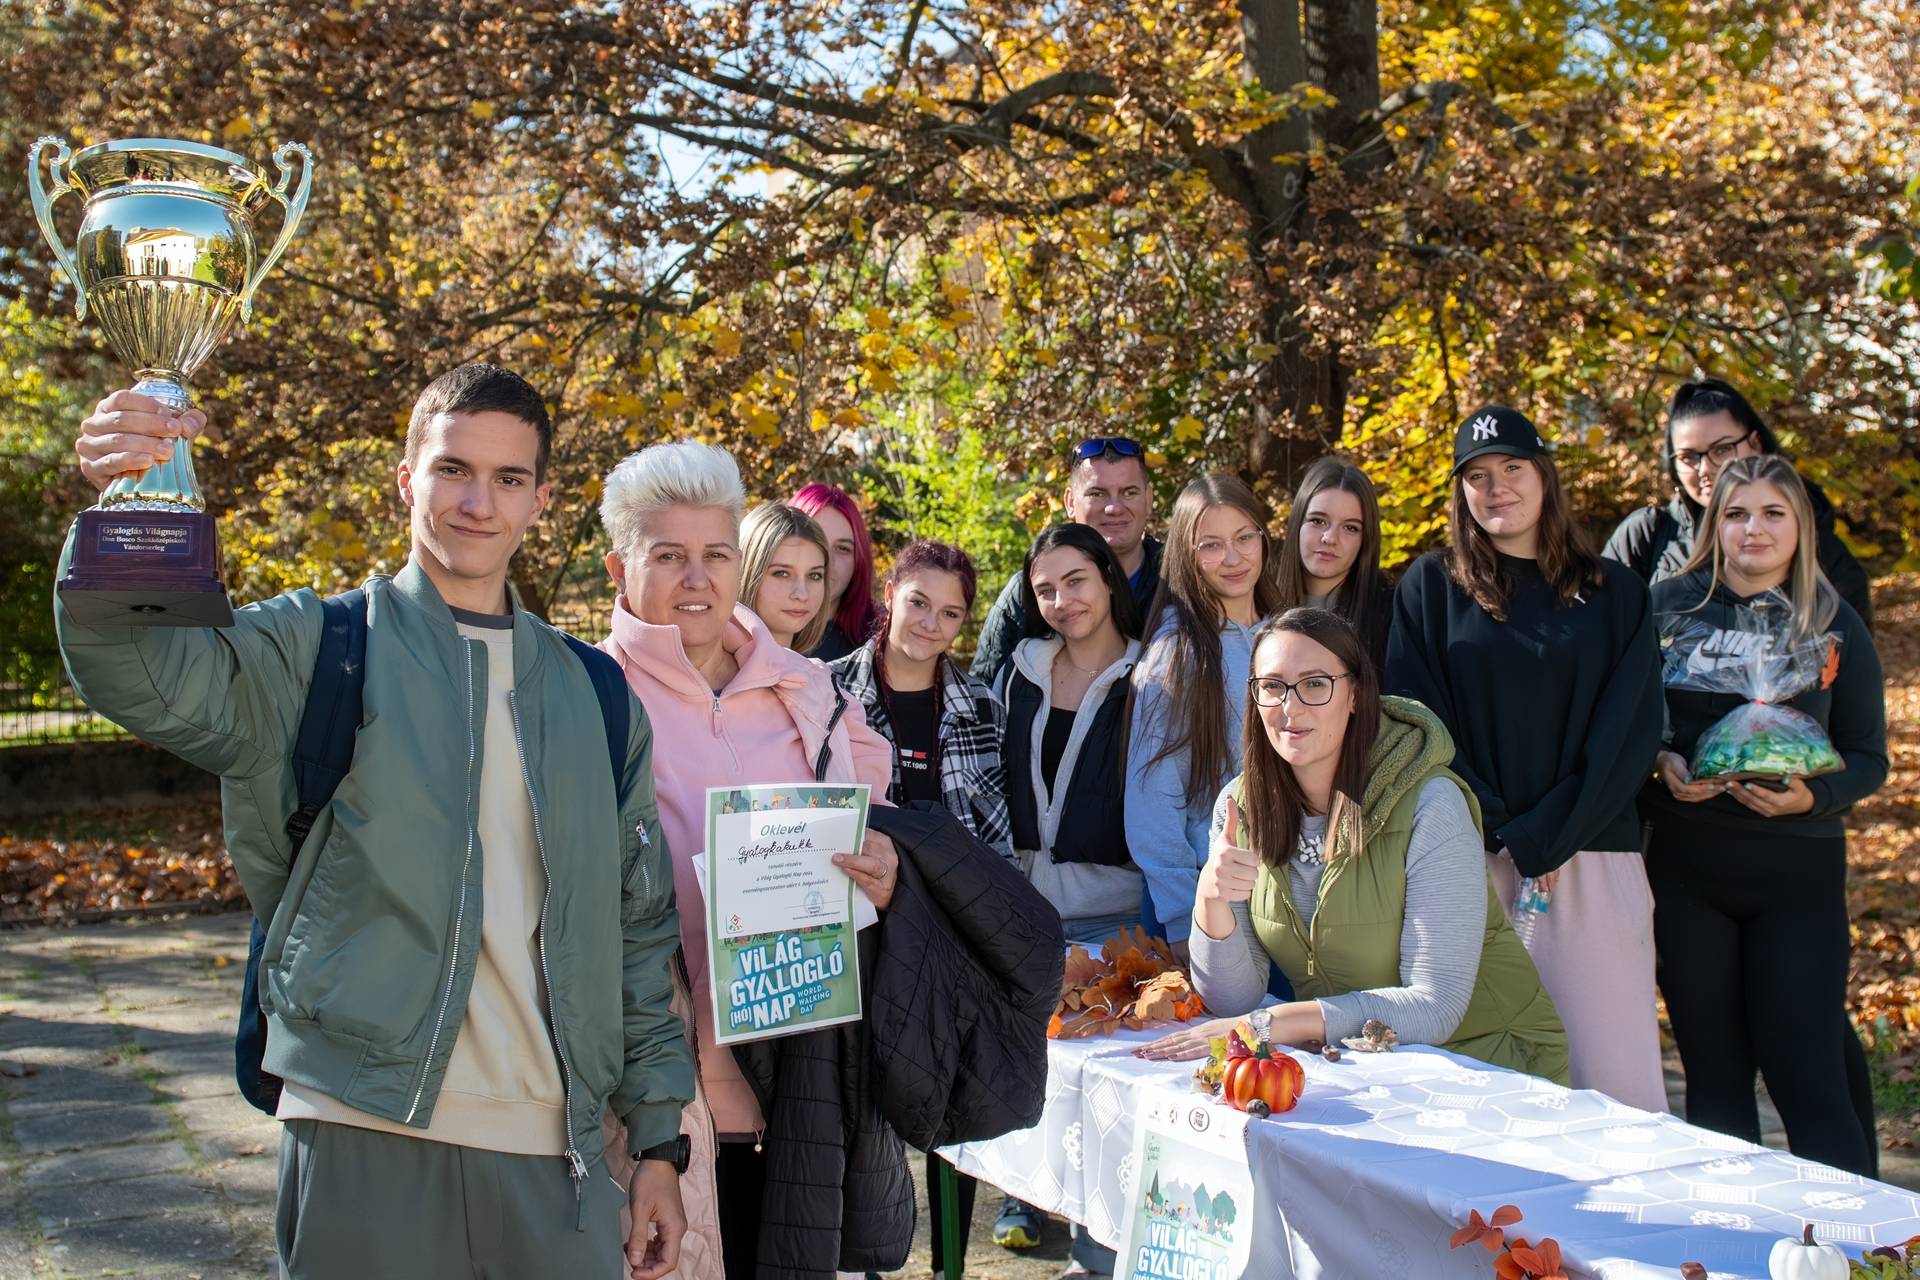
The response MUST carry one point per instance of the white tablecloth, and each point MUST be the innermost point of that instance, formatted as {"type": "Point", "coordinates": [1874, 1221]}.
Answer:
{"type": "Point", "coordinates": [1386, 1153]}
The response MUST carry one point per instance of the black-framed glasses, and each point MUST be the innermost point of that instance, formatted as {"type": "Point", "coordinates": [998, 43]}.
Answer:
{"type": "Point", "coordinates": [1720, 452]}
{"type": "Point", "coordinates": [1312, 691]}
{"type": "Point", "coordinates": [1100, 446]}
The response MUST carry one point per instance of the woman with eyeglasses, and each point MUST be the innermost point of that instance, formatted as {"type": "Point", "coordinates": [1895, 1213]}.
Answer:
{"type": "Point", "coordinates": [1540, 659]}
{"type": "Point", "coordinates": [1332, 556]}
{"type": "Point", "coordinates": [1709, 424]}
{"type": "Point", "coordinates": [1190, 688]}
{"type": "Point", "coordinates": [1750, 877]}
{"type": "Point", "coordinates": [1347, 854]}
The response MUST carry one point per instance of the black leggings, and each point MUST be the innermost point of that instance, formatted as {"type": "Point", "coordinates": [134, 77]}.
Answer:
{"type": "Point", "coordinates": [739, 1176]}
{"type": "Point", "coordinates": [1754, 948]}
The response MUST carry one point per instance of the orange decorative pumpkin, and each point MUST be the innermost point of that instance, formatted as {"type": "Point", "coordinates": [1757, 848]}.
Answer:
{"type": "Point", "coordinates": [1274, 1078]}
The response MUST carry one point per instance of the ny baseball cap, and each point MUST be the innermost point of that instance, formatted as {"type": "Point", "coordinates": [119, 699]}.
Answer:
{"type": "Point", "coordinates": [1496, 429]}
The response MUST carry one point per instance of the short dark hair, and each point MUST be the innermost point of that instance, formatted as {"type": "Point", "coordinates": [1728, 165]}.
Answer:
{"type": "Point", "coordinates": [1704, 397]}
{"type": "Point", "coordinates": [483, 388]}
{"type": "Point", "coordinates": [1108, 449]}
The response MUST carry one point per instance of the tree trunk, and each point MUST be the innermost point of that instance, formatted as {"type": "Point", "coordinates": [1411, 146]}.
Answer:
{"type": "Point", "coordinates": [1303, 388]}
{"type": "Point", "coordinates": [1343, 57]}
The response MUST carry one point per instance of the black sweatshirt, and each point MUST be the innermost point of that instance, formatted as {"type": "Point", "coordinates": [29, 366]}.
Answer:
{"type": "Point", "coordinates": [1555, 713]}
{"type": "Point", "coordinates": [1853, 711]}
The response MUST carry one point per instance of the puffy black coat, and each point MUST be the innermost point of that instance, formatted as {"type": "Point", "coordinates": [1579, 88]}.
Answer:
{"type": "Point", "coordinates": [960, 978]}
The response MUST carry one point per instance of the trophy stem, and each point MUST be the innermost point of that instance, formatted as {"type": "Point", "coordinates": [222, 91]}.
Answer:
{"type": "Point", "coordinates": [171, 485]}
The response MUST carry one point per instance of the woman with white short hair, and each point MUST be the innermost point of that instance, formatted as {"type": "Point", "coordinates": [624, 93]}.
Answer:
{"type": "Point", "coordinates": [730, 705]}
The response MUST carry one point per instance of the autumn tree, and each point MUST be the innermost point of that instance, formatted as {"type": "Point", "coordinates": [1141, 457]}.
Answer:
{"type": "Point", "coordinates": [844, 239]}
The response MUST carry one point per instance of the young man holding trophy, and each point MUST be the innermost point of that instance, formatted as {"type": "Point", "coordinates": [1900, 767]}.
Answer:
{"type": "Point", "coordinates": [469, 960]}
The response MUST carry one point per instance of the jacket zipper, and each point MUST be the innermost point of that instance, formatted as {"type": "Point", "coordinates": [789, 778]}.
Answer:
{"type": "Point", "coordinates": [721, 734]}
{"type": "Point", "coordinates": [576, 1167]}
{"type": "Point", "coordinates": [460, 911]}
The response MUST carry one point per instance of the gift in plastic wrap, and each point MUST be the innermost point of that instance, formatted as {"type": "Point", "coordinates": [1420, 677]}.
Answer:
{"type": "Point", "coordinates": [1759, 658]}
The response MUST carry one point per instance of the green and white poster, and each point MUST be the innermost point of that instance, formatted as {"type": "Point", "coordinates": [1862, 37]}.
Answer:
{"type": "Point", "coordinates": [781, 918]}
{"type": "Point", "coordinates": [1192, 1194]}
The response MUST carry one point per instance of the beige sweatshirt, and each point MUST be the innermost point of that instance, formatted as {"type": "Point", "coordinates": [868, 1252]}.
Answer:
{"type": "Point", "coordinates": [502, 1090]}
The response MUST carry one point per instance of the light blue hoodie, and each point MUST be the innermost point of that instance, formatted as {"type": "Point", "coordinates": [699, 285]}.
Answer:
{"type": "Point", "coordinates": [1167, 838]}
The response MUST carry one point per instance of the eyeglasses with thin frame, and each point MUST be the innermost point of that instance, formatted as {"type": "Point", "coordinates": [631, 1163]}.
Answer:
{"type": "Point", "coordinates": [1313, 691]}
{"type": "Point", "coordinates": [1720, 452]}
{"type": "Point", "coordinates": [1212, 551]}
{"type": "Point", "coordinates": [1100, 446]}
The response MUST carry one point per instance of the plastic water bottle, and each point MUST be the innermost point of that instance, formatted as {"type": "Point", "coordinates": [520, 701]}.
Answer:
{"type": "Point", "coordinates": [1530, 902]}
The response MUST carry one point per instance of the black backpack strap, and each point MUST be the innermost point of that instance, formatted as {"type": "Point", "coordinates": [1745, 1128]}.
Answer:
{"type": "Point", "coordinates": [322, 754]}
{"type": "Point", "coordinates": [826, 743]}
{"type": "Point", "coordinates": [323, 749]}
{"type": "Point", "coordinates": [610, 686]}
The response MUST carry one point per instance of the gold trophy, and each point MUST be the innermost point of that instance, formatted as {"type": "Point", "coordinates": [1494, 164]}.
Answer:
{"type": "Point", "coordinates": [167, 261]}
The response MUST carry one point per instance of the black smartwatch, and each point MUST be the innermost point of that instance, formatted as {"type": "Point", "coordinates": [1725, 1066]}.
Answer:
{"type": "Point", "coordinates": [677, 1152]}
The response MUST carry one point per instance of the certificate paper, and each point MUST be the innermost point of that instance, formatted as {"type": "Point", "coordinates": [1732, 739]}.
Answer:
{"type": "Point", "coordinates": [780, 916]}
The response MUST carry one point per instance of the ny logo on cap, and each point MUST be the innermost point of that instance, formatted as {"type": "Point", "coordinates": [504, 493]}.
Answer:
{"type": "Point", "coordinates": [1486, 427]}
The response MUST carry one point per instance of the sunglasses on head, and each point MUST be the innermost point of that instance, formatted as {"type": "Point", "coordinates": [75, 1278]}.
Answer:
{"type": "Point", "coordinates": [1099, 446]}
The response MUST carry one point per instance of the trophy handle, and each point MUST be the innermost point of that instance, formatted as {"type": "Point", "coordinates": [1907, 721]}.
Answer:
{"type": "Point", "coordinates": [296, 207]}
{"type": "Point", "coordinates": [43, 209]}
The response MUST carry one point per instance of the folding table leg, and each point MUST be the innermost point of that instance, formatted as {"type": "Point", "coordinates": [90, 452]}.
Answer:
{"type": "Point", "coordinates": [953, 1232]}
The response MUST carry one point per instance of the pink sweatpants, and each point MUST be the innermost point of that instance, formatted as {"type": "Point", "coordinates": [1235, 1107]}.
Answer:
{"type": "Point", "coordinates": [1594, 951]}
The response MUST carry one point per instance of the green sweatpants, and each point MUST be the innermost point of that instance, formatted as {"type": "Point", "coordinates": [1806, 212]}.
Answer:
{"type": "Point", "coordinates": [357, 1204]}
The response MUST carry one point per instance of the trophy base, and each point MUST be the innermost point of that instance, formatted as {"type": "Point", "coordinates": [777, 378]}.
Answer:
{"type": "Point", "coordinates": [145, 569]}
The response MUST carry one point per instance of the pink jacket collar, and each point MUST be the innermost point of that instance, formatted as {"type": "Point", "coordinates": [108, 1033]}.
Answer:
{"type": "Point", "coordinates": [802, 684]}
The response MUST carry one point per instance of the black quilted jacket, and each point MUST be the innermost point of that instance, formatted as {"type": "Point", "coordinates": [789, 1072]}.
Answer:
{"type": "Point", "coordinates": [960, 978]}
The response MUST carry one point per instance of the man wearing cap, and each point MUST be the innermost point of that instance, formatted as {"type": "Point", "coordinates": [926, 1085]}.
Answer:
{"type": "Point", "coordinates": [1107, 490]}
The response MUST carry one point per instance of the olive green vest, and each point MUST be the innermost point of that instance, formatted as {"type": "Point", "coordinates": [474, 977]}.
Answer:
{"type": "Point", "coordinates": [1353, 940]}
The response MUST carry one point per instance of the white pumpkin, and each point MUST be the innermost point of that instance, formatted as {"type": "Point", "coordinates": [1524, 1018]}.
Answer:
{"type": "Point", "coordinates": [1803, 1259]}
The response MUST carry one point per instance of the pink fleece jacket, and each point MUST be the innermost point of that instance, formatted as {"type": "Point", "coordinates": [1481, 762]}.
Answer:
{"type": "Point", "coordinates": [766, 726]}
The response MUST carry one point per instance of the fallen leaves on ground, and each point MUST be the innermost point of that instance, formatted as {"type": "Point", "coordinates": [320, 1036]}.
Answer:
{"type": "Point", "coordinates": [1883, 850]}
{"type": "Point", "coordinates": [58, 880]}
{"type": "Point", "coordinates": [1135, 980]}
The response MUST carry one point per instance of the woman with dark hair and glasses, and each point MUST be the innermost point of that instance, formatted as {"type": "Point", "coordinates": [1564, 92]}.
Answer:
{"type": "Point", "coordinates": [1108, 491]}
{"type": "Point", "coordinates": [1348, 854]}
{"type": "Point", "coordinates": [1709, 424]}
{"type": "Point", "coordinates": [1540, 659]}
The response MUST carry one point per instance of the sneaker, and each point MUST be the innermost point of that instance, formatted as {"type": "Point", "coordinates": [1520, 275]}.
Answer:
{"type": "Point", "coordinates": [1017, 1226]}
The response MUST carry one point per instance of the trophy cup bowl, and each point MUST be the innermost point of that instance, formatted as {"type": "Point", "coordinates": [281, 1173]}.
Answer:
{"type": "Point", "coordinates": [167, 261]}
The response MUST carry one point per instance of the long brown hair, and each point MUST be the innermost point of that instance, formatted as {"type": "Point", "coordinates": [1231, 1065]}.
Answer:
{"type": "Point", "coordinates": [1196, 701]}
{"type": "Point", "coordinates": [761, 533]}
{"type": "Point", "coordinates": [1351, 598]}
{"type": "Point", "coordinates": [1813, 597]}
{"type": "Point", "coordinates": [1566, 557]}
{"type": "Point", "coordinates": [1272, 803]}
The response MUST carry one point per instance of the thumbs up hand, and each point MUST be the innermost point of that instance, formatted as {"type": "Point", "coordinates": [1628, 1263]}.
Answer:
{"type": "Point", "coordinates": [1231, 868]}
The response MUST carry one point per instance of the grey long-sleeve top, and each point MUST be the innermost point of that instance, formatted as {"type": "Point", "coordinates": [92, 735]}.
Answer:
{"type": "Point", "coordinates": [1440, 935]}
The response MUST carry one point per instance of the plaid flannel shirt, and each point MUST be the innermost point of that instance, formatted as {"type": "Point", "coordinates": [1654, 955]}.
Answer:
{"type": "Point", "coordinates": [973, 726]}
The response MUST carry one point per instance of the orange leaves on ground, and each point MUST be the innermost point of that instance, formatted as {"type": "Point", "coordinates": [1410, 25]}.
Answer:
{"type": "Point", "coordinates": [1883, 855]}
{"type": "Point", "coordinates": [63, 881]}
{"type": "Point", "coordinates": [1135, 980]}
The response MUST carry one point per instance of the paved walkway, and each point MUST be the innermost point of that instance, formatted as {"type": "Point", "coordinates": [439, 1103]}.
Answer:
{"type": "Point", "coordinates": [126, 1151]}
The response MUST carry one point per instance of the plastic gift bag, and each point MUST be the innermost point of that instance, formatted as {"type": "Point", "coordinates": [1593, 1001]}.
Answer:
{"type": "Point", "coordinates": [1759, 659]}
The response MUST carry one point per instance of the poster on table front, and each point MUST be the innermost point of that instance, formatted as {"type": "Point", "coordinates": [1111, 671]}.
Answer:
{"type": "Point", "coordinates": [781, 918]}
{"type": "Point", "coordinates": [1190, 1211]}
